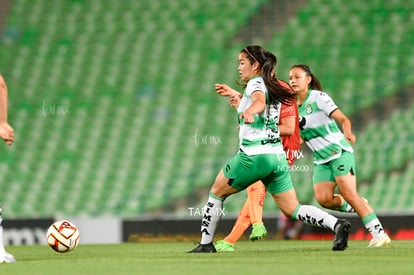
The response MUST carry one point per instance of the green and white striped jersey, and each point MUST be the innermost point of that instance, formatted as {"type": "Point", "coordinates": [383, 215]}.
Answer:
{"type": "Point", "coordinates": [320, 132]}
{"type": "Point", "coordinates": [262, 136]}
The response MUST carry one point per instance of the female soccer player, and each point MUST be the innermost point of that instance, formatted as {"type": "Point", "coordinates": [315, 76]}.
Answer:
{"type": "Point", "coordinates": [7, 134]}
{"type": "Point", "coordinates": [252, 212]}
{"type": "Point", "coordinates": [261, 155]}
{"type": "Point", "coordinates": [332, 151]}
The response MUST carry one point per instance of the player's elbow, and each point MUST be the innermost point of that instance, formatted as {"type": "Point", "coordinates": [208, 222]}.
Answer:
{"type": "Point", "coordinates": [2, 84]}
{"type": "Point", "coordinates": [289, 131]}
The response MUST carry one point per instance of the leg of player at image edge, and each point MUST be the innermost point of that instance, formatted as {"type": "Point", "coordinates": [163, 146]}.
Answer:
{"type": "Point", "coordinates": [5, 257]}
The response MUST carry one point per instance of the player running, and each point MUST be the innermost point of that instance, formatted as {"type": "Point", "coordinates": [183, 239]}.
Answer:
{"type": "Point", "coordinates": [261, 155]}
{"type": "Point", "coordinates": [332, 151]}
{"type": "Point", "coordinates": [252, 212]}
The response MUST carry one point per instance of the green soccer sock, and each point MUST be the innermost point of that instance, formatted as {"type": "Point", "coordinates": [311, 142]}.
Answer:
{"type": "Point", "coordinates": [346, 207]}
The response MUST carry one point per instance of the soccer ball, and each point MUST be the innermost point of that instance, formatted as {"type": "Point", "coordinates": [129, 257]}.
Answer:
{"type": "Point", "coordinates": [63, 236]}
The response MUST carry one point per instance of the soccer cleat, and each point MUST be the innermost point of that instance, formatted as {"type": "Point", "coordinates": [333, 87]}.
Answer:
{"type": "Point", "coordinates": [342, 229]}
{"type": "Point", "coordinates": [258, 232]}
{"type": "Point", "coordinates": [222, 245]}
{"type": "Point", "coordinates": [7, 258]}
{"type": "Point", "coordinates": [383, 241]}
{"type": "Point", "coordinates": [203, 248]}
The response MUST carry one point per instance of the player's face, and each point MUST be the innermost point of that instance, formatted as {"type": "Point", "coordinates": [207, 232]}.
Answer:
{"type": "Point", "coordinates": [299, 80]}
{"type": "Point", "coordinates": [245, 68]}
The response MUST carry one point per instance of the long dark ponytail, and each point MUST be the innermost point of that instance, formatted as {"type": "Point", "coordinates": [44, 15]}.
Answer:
{"type": "Point", "coordinates": [267, 62]}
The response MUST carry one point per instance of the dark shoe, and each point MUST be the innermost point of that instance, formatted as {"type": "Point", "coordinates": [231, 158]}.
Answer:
{"type": "Point", "coordinates": [204, 248]}
{"type": "Point", "coordinates": [342, 228]}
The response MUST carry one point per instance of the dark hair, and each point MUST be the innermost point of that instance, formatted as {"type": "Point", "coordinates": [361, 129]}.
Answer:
{"type": "Point", "coordinates": [267, 62]}
{"type": "Point", "coordinates": [315, 84]}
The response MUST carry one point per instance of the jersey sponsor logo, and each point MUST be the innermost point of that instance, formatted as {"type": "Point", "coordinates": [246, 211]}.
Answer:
{"type": "Point", "coordinates": [272, 119]}
{"type": "Point", "coordinates": [341, 168]}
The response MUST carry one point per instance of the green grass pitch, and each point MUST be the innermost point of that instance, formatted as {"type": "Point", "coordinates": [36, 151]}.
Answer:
{"type": "Point", "coordinates": [261, 257]}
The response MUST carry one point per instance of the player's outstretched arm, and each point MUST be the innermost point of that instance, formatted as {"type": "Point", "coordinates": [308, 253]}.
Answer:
{"type": "Point", "coordinates": [226, 90]}
{"type": "Point", "coordinates": [3, 100]}
{"type": "Point", "coordinates": [6, 131]}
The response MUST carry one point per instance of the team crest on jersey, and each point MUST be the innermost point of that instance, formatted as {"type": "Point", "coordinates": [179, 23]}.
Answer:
{"type": "Point", "coordinates": [334, 152]}
{"type": "Point", "coordinates": [309, 109]}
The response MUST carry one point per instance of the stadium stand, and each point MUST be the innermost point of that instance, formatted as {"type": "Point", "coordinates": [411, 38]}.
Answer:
{"type": "Point", "coordinates": [115, 112]}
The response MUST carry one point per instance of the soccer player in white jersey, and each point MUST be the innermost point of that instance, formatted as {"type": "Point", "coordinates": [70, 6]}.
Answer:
{"type": "Point", "coordinates": [7, 134]}
{"type": "Point", "coordinates": [332, 151]}
{"type": "Point", "coordinates": [261, 155]}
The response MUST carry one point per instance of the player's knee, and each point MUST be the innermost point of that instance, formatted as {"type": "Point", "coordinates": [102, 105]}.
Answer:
{"type": "Point", "coordinates": [219, 193]}
{"type": "Point", "coordinates": [325, 201]}
{"type": "Point", "coordinates": [222, 191]}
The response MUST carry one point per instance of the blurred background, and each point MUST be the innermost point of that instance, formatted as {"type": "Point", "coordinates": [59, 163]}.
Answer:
{"type": "Point", "coordinates": [115, 113]}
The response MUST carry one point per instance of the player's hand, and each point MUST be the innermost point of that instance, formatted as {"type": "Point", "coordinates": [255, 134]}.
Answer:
{"type": "Point", "coordinates": [350, 138]}
{"type": "Point", "coordinates": [225, 90]}
{"type": "Point", "coordinates": [7, 133]}
{"type": "Point", "coordinates": [234, 101]}
{"type": "Point", "coordinates": [248, 117]}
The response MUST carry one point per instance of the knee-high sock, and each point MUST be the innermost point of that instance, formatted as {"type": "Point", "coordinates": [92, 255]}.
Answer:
{"type": "Point", "coordinates": [211, 216]}
{"type": "Point", "coordinates": [345, 207]}
{"type": "Point", "coordinates": [373, 225]}
{"type": "Point", "coordinates": [314, 216]}
{"type": "Point", "coordinates": [240, 226]}
{"type": "Point", "coordinates": [2, 249]}
{"type": "Point", "coordinates": [255, 197]}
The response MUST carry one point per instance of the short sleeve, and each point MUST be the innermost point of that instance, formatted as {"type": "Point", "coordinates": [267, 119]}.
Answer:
{"type": "Point", "coordinates": [256, 84]}
{"type": "Point", "coordinates": [326, 104]}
